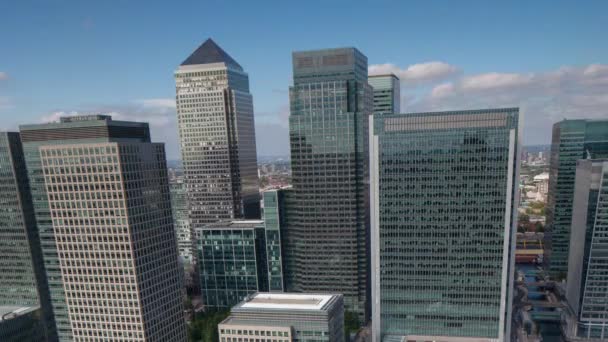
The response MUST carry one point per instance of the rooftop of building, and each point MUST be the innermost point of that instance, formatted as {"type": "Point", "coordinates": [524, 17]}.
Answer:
{"type": "Point", "coordinates": [383, 75]}
{"type": "Point", "coordinates": [278, 188]}
{"type": "Point", "coordinates": [542, 176]}
{"type": "Point", "coordinates": [209, 53]}
{"type": "Point", "coordinates": [12, 311]}
{"type": "Point", "coordinates": [286, 301]}
{"type": "Point", "coordinates": [92, 117]}
{"type": "Point", "coordinates": [451, 112]}
{"type": "Point", "coordinates": [234, 224]}
{"type": "Point", "coordinates": [81, 121]}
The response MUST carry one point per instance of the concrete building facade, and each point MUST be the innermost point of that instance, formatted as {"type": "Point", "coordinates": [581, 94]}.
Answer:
{"type": "Point", "coordinates": [217, 137]}
{"type": "Point", "coordinates": [285, 317]}
{"type": "Point", "coordinates": [102, 204]}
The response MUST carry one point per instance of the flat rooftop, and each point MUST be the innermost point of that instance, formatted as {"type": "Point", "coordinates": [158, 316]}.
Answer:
{"type": "Point", "coordinates": [286, 301]}
{"type": "Point", "coordinates": [234, 224]}
{"type": "Point", "coordinates": [9, 311]}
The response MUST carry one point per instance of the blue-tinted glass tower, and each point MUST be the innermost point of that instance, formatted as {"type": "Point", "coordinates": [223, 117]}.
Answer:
{"type": "Point", "coordinates": [443, 210]}
{"type": "Point", "coordinates": [330, 102]}
{"type": "Point", "coordinates": [572, 140]}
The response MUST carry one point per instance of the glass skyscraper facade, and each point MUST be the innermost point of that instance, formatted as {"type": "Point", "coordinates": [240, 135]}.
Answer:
{"type": "Point", "coordinates": [443, 211]}
{"type": "Point", "coordinates": [572, 140]}
{"type": "Point", "coordinates": [274, 221]}
{"type": "Point", "coordinates": [387, 93]}
{"type": "Point", "coordinates": [23, 287]}
{"type": "Point", "coordinates": [17, 277]}
{"type": "Point", "coordinates": [330, 102]}
{"type": "Point", "coordinates": [232, 261]}
{"type": "Point", "coordinates": [217, 136]}
{"type": "Point", "coordinates": [587, 285]}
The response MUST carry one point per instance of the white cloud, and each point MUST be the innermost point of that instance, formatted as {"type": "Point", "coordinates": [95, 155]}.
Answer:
{"type": "Point", "coordinates": [158, 103]}
{"type": "Point", "coordinates": [159, 113]}
{"type": "Point", "coordinates": [416, 73]}
{"type": "Point", "coordinates": [5, 103]}
{"type": "Point", "coordinates": [443, 89]}
{"type": "Point", "coordinates": [494, 80]}
{"type": "Point", "coordinates": [3, 76]}
{"type": "Point", "coordinates": [55, 116]}
{"type": "Point", "coordinates": [545, 97]}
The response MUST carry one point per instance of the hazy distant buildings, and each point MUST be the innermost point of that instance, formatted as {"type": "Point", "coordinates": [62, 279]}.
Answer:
{"type": "Point", "coordinates": [387, 93]}
{"type": "Point", "coordinates": [216, 128]}
{"type": "Point", "coordinates": [587, 285]}
{"type": "Point", "coordinates": [21, 266]}
{"type": "Point", "coordinates": [285, 317]}
{"type": "Point", "coordinates": [443, 212]}
{"type": "Point", "coordinates": [572, 140]}
{"type": "Point", "coordinates": [102, 204]}
{"type": "Point", "coordinates": [330, 102]}
{"type": "Point", "coordinates": [181, 221]}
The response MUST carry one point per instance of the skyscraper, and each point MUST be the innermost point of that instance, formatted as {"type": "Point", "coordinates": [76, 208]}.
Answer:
{"type": "Point", "coordinates": [216, 128]}
{"type": "Point", "coordinates": [443, 212]}
{"type": "Point", "coordinates": [587, 285]}
{"type": "Point", "coordinates": [572, 140]}
{"type": "Point", "coordinates": [387, 93]}
{"type": "Point", "coordinates": [328, 227]}
{"type": "Point", "coordinates": [101, 202]}
{"type": "Point", "coordinates": [111, 214]}
{"type": "Point", "coordinates": [23, 287]}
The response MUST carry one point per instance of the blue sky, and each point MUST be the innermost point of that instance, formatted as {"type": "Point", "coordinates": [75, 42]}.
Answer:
{"type": "Point", "coordinates": [62, 57]}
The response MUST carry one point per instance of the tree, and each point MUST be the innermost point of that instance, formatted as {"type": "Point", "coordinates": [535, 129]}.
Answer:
{"type": "Point", "coordinates": [540, 228]}
{"type": "Point", "coordinates": [204, 326]}
{"type": "Point", "coordinates": [351, 323]}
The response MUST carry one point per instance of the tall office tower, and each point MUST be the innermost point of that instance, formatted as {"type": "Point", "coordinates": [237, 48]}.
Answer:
{"type": "Point", "coordinates": [183, 228]}
{"type": "Point", "coordinates": [285, 317]}
{"type": "Point", "coordinates": [587, 285]}
{"type": "Point", "coordinates": [572, 140]}
{"type": "Point", "coordinates": [101, 201]}
{"type": "Point", "coordinates": [443, 214]}
{"type": "Point", "coordinates": [232, 261]}
{"type": "Point", "coordinates": [330, 104]}
{"type": "Point", "coordinates": [21, 266]}
{"type": "Point", "coordinates": [215, 118]}
{"type": "Point", "coordinates": [387, 93]}
{"type": "Point", "coordinates": [111, 213]}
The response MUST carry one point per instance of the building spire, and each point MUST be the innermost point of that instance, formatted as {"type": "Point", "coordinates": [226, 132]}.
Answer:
{"type": "Point", "coordinates": [210, 52]}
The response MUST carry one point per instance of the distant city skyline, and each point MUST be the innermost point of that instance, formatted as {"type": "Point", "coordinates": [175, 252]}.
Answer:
{"type": "Point", "coordinates": [99, 59]}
